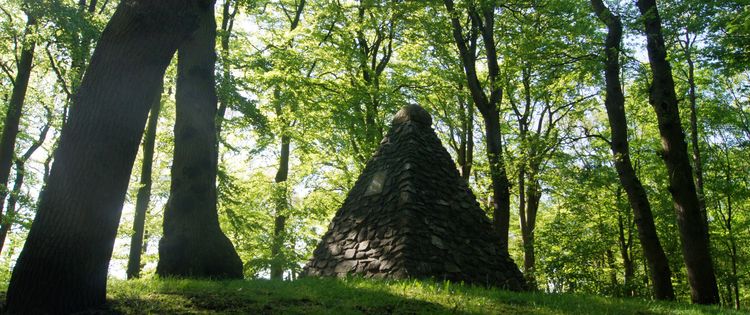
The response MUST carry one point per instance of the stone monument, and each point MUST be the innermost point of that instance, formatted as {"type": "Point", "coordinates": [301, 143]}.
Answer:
{"type": "Point", "coordinates": [410, 215]}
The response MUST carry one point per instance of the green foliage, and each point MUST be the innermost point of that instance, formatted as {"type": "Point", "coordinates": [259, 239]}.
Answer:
{"type": "Point", "coordinates": [331, 84]}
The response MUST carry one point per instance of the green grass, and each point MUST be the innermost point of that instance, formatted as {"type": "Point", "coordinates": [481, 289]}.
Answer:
{"type": "Point", "coordinates": [359, 296]}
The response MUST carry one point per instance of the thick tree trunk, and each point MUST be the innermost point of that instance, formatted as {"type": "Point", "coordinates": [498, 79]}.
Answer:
{"type": "Point", "coordinates": [144, 193]}
{"type": "Point", "coordinates": [696, 250]}
{"type": "Point", "coordinates": [193, 244]}
{"type": "Point", "coordinates": [15, 107]}
{"type": "Point", "coordinates": [615, 104]}
{"type": "Point", "coordinates": [500, 184]}
{"type": "Point", "coordinates": [63, 265]}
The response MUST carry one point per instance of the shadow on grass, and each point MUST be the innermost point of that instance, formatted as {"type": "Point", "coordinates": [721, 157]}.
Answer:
{"type": "Point", "coordinates": [307, 296]}
{"type": "Point", "coordinates": [361, 296]}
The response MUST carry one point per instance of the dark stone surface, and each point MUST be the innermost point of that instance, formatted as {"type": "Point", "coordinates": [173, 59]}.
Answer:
{"type": "Point", "coordinates": [410, 214]}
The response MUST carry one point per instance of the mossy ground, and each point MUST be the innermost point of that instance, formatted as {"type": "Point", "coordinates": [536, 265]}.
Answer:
{"type": "Point", "coordinates": [360, 296]}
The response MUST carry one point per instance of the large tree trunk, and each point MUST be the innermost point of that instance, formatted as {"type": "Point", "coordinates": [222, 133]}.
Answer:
{"type": "Point", "coordinates": [15, 107]}
{"type": "Point", "coordinates": [615, 104]}
{"type": "Point", "coordinates": [193, 244]}
{"type": "Point", "coordinates": [63, 265]}
{"type": "Point", "coordinates": [696, 250]}
{"type": "Point", "coordinates": [500, 184]}
{"type": "Point", "coordinates": [144, 193]}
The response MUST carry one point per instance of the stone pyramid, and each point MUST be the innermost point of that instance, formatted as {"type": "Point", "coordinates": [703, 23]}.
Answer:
{"type": "Point", "coordinates": [410, 214]}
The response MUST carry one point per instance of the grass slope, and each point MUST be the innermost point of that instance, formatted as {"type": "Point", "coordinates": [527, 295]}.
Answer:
{"type": "Point", "coordinates": [359, 296]}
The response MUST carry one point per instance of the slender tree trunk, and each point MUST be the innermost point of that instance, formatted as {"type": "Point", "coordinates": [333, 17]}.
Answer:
{"type": "Point", "coordinates": [625, 245]}
{"type": "Point", "coordinates": [533, 196]}
{"type": "Point", "coordinates": [728, 219]}
{"type": "Point", "coordinates": [144, 193]}
{"type": "Point", "coordinates": [282, 174]}
{"type": "Point", "coordinates": [612, 268]}
{"type": "Point", "coordinates": [466, 147]}
{"type": "Point", "coordinates": [482, 22]}
{"type": "Point", "coordinates": [15, 107]}
{"type": "Point", "coordinates": [624, 254]}
{"type": "Point", "coordinates": [63, 265]}
{"type": "Point", "coordinates": [193, 244]}
{"type": "Point", "coordinates": [469, 136]}
{"type": "Point", "coordinates": [227, 25]}
{"type": "Point", "coordinates": [7, 221]}
{"type": "Point", "coordinates": [615, 105]}
{"type": "Point", "coordinates": [696, 249]}
{"type": "Point", "coordinates": [277, 266]}
{"type": "Point", "coordinates": [694, 137]}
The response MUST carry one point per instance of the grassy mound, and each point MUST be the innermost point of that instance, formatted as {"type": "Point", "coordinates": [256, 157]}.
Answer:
{"type": "Point", "coordinates": [360, 296]}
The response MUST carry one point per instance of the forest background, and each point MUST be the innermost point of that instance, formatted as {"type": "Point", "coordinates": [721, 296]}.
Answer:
{"type": "Point", "coordinates": [307, 89]}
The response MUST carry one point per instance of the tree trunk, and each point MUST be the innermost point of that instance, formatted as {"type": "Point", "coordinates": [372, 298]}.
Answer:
{"type": "Point", "coordinates": [466, 147]}
{"type": "Point", "coordinates": [144, 193]}
{"type": "Point", "coordinates": [193, 244]}
{"type": "Point", "coordinates": [728, 219]}
{"type": "Point", "coordinates": [612, 268]}
{"type": "Point", "coordinates": [277, 261]}
{"type": "Point", "coordinates": [15, 107]}
{"type": "Point", "coordinates": [696, 250]}
{"type": "Point", "coordinates": [697, 160]}
{"type": "Point", "coordinates": [625, 246]}
{"type": "Point", "coordinates": [227, 25]}
{"type": "Point", "coordinates": [63, 265]}
{"type": "Point", "coordinates": [533, 195]}
{"type": "Point", "coordinates": [7, 221]}
{"type": "Point", "coordinates": [500, 184]}
{"type": "Point", "coordinates": [482, 23]}
{"type": "Point", "coordinates": [615, 105]}
{"type": "Point", "coordinates": [282, 174]}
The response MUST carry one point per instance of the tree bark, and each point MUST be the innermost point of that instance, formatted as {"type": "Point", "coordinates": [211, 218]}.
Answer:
{"type": "Point", "coordinates": [227, 25]}
{"type": "Point", "coordinates": [277, 261]}
{"type": "Point", "coordinates": [694, 137]}
{"type": "Point", "coordinates": [144, 193]}
{"type": "Point", "coordinates": [482, 23]}
{"type": "Point", "coordinates": [615, 104]}
{"type": "Point", "coordinates": [63, 265]}
{"type": "Point", "coordinates": [282, 174]}
{"type": "Point", "coordinates": [193, 244]}
{"type": "Point", "coordinates": [727, 218]}
{"type": "Point", "coordinates": [533, 195]}
{"type": "Point", "coordinates": [625, 242]}
{"type": "Point", "coordinates": [15, 107]}
{"type": "Point", "coordinates": [696, 250]}
{"type": "Point", "coordinates": [20, 164]}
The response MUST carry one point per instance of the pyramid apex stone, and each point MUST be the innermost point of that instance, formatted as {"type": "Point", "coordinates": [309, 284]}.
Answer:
{"type": "Point", "coordinates": [413, 113]}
